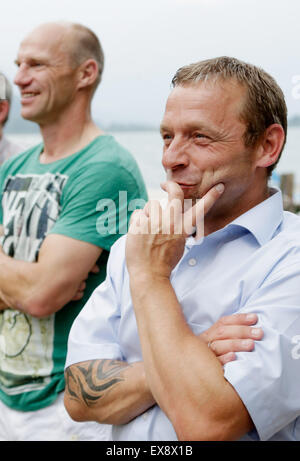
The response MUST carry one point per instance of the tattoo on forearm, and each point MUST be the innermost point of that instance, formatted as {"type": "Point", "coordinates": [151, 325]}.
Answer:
{"type": "Point", "coordinates": [88, 381]}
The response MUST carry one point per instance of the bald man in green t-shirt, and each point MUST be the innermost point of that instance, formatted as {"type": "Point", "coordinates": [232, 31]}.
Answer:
{"type": "Point", "coordinates": [54, 244]}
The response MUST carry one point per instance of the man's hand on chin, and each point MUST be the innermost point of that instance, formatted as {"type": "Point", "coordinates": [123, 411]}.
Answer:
{"type": "Point", "coordinates": [156, 236]}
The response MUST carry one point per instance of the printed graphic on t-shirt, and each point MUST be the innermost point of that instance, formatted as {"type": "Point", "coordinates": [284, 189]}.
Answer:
{"type": "Point", "coordinates": [31, 206]}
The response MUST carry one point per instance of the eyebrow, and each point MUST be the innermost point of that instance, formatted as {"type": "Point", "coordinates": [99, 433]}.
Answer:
{"type": "Point", "coordinates": [40, 59]}
{"type": "Point", "coordinates": [193, 126]}
{"type": "Point", "coordinates": [163, 128]}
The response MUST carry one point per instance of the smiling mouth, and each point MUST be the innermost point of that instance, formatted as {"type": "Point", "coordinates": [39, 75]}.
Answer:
{"type": "Point", "coordinates": [28, 96]}
{"type": "Point", "coordinates": [186, 186]}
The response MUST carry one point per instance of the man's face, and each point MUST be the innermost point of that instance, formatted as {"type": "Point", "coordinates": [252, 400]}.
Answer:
{"type": "Point", "coordinates": [203, 141]}
{"type": "Point", "coordinates": [45, 77]}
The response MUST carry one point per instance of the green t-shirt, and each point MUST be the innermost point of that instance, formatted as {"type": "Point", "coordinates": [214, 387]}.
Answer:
{"type": "Point", "coordinates": [84, 196]}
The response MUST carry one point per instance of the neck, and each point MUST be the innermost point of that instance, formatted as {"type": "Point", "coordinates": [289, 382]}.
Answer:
{"type": "Point", "coordinates": [70, 132]}
{"type": "Point", "coordinates": [225, 211]}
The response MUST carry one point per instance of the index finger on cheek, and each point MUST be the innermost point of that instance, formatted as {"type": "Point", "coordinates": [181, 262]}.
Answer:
{"type": "Point", "coordinates": [194, 216]}
{"type": "Point", "coordinates": [212, 196]}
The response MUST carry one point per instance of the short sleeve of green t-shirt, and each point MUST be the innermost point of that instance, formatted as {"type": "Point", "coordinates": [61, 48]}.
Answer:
{"type": "Point", "coordinates": [94, 204]}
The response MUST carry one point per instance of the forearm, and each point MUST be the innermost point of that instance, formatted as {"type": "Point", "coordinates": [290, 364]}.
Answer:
{"type": "Point", "coordinates": [17, 280]}
{"type": "Point", "coordinates": [32, 287]}
{"type": "Point", "coordinates": [184, 376]}
{"type": "Point", "coordinates": [107, 391]}
{"type": "Point", "coordinates": [3, 305]}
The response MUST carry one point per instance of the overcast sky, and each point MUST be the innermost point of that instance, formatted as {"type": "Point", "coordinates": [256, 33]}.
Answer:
{"type": "Point", "coordinates": [145, 41]}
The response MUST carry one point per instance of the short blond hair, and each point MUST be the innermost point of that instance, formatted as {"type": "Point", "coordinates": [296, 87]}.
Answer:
{"type": "Point", "coordinates": [264, 104]}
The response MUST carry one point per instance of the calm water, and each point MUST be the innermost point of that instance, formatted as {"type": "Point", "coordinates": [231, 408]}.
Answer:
{"type": "Point", "coordinates": [146, 147]}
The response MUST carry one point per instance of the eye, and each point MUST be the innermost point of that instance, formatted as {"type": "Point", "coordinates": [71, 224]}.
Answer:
{"type": "Point", "coordinates": [166, 137]}
{"type": "Point", "coordinates": [33, 63]}
{"type": "Point", "coordinates": [201, 138]}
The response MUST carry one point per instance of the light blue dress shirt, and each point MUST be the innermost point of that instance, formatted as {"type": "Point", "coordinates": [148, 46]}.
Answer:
{"type": "Point", "coordinates": [252, 265]}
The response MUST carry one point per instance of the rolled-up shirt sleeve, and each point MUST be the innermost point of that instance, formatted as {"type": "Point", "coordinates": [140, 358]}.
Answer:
{"type": "Point", "coordinates": [94, 333]}
{"type": "Point", "coordinates": [268, 378]}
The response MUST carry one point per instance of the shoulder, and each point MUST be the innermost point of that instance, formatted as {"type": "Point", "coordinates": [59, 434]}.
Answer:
{"type": "Point", "coordinates": [284, 248]}
{"type": "Point", "coordinates": [13, 164]}
{"type": "Point", "coordinates": [289, 231]}
{"type": "Point", "coordinates": [106, 150]}
{"type": "Point", "coordinates": [117, 251]}
{"type": "Point", "coordinates": [104, 164]}
{"type": "Point", "coordinates": [291, 222]}
{"type": "Point", "coordinates": [116, 264]}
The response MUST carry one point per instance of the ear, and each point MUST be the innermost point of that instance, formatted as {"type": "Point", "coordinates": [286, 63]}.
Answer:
{"type": "Point", "coordinates": [87, 73]}
{"type": "Point", "coordinates": [270, 146]}
{"type": "Point", "coordinates": [4, 109]}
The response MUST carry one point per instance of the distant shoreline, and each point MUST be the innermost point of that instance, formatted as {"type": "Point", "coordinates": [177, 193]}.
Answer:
{"type": "Point", "coordinates": [23, 127]}
{"type": "Point", "coordinates": [32, 129]}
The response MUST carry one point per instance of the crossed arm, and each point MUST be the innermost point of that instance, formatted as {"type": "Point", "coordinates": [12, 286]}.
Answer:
{"type": "Point", "coordinates": [175, 360]}
{"type": "Point", "coordinates": [43, 287]}
{"type": "Point", "coordinates": [115, 392]}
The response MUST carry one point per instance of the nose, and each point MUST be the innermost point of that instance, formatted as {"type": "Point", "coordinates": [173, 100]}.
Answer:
{"type": "Point", "coordinates": [22, 77]}
{"type": "Point", "coordinates": [175, 155]}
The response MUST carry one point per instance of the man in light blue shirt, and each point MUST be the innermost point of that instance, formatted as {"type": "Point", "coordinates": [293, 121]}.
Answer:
{"type": "Point", "coordinates": [136, 355]}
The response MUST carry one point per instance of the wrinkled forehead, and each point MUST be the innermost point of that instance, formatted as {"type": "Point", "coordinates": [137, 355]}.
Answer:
{"type": "Point", "coordinates": [225, 96]}
{"type": "Point", "coordinates": [213, 106]}
{"type": "Point", "coordinates": [214, 89]}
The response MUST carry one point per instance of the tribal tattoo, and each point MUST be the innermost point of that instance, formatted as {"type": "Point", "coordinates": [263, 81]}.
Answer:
{"type": "Point", "coordinates": [88, 381]}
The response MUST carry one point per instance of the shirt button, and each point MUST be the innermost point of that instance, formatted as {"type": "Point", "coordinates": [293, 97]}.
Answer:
{"type": "Point", "coordinates": [145, 416]}
{"type": "Point", "coordinates": [192, 262]}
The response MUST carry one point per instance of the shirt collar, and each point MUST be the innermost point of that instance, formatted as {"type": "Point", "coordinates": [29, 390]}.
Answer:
{"type": "Point", "coordinates": [263, 219]}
